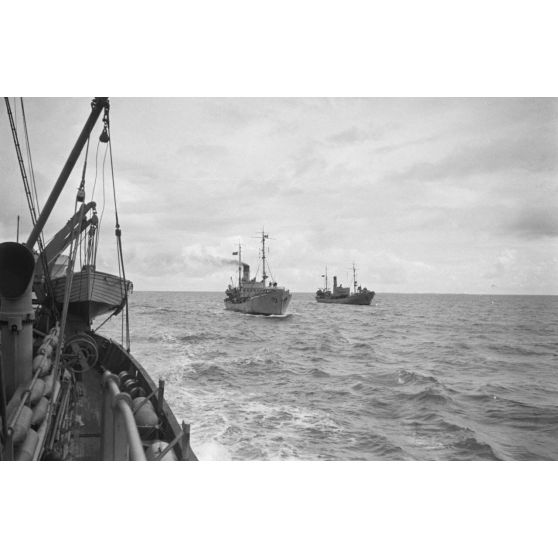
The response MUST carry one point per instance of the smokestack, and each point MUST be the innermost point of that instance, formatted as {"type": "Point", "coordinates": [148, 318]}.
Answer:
{"type": "Point", "coordinates": [245, 272]}
{"type": "Point", "coordinates": [335, 281]}
{"type": "Point", "coordinates": [17, 269]}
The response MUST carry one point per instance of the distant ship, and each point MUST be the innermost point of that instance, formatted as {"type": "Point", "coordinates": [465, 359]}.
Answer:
{"type": "Point", "coordinates": [256, 297]}
{"type": "Point", "coordinates": [342, 295]}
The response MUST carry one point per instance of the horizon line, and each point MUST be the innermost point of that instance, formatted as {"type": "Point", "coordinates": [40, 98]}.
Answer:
{"type": "Point", "coordinates": [376, 293]}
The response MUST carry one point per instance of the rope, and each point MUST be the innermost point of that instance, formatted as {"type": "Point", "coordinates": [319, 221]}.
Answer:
{"type": "Point", "coordinates": [93, 254]}
{"type": "Point", "coordinates": [40, 239]}
{"type": "Point", "coordinates": [118, 233]}
{"type": "Point", "coordinates": [74, 243]}
{"type": "Point", "coordinates": [106, 320]}
{"type": "Point", "coordinates": [27, 189]}
{"type": "Point", "coordinates": [68, 287]}
{"type": "Point", "coordinates": [270, 273]}
{"type": "Point", "coordinates": [30, 162]}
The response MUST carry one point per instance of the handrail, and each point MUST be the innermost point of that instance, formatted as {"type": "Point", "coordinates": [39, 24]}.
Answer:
{"type": "Point", "coordinates": [120, 437]}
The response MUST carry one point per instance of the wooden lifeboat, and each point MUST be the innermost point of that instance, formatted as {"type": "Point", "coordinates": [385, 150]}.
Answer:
{"type": "Point", "coordinates": [93, 293]}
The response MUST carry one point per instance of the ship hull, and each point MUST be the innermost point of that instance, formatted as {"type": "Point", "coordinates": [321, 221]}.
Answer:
{"type": "Point", "coordinates": [267, 304]}
{"type": "Point", "coordinates": [358, 299]}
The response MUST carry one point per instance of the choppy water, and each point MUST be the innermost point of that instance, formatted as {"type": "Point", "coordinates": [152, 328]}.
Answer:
{"type": "Point", "coordinates": [409, 377]}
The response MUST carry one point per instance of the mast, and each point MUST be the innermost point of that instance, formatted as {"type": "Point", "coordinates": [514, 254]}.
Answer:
{"type": "Point", "coordinates": [264, 236]}
{"type": "Point", "coordinates": [354, 278]}
{"type": "Point", "coordinates": [239, 263]}
{"type": "Point", "coordinates": [97, 105]}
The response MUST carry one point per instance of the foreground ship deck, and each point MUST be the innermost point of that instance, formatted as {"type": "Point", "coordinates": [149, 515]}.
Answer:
{"type": "Point", "coordinates": [98, 389]}
{"type": "Point", "coordinates": [66, 392]}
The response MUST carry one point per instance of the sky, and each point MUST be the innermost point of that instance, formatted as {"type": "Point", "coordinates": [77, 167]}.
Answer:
{"type": "Point", "coordinates": [442, 195]}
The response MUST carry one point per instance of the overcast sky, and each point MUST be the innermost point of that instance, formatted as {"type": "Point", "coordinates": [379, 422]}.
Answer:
{"type": "Point", "coordinates": [424, 195]}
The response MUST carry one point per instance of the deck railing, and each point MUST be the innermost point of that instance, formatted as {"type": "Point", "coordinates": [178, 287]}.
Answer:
{"type": "Point", "coordinates": [120, 437]}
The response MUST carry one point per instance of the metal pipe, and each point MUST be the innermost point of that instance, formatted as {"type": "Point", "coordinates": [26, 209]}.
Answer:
{"type": "Point", "coordinates": [17, 267]}
{"type": "Point", "coordinates": [96, 107]}
{"type": "Point", "coordinates": [127, 416]}
{"type": "Point", "coordinates": [121, 439]}
{"type": "Point", "coordinates": [107, 439]}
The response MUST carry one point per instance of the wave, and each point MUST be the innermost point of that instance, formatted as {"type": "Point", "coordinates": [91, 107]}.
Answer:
{"type": "Point", "coordinates": [513, 350]}
{"type": "Point", "coordinates": [410, 378]}
{"type": "Point", "coordinates": [318, 373]}
{"type": "Point", "coordinates": [373, 445]}
{"type": "Point", "coordinates": [470, 448]}
{"type": "Point", "coordinates": [523, 415]}
{"type": "Point", "coordinates": [158, 336]}
{"type": "Point", "coordinates": [165, 310]}
{"type": "Point", "coordinates": [211, 450]}
{"type": "Point", "coordinates": [428, 396]}
{"type": "Point", "coordinates": [310, 385]}
{"type": "Point", "coordinates": [361, 345]}
{"type": "Point", "coordinates": [209, 372]}
{"type": "Point", "coordinates": [197, 337]}
{"type": "Point", "coordinates": [270, 317]}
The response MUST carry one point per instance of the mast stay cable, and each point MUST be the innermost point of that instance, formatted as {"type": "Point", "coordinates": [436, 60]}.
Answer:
{"type": "Point", "coordinates": [106, 135]}
{"type": "Point", "coordinates": [28, 194]}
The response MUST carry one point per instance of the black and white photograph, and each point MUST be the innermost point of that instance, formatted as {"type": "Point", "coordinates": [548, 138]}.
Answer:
{"type": "Point", "coordinates": [305, 254]}
{"type": "Point", "coordinates": [279, 278]}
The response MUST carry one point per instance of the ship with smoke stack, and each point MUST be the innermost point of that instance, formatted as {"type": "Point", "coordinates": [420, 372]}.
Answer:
{"type": "Point", "coordinates": [250, 296]}
{"type": "Point", "coordinates": [68, 392]}
{"type": "Point", "coordinates": [360, 296]}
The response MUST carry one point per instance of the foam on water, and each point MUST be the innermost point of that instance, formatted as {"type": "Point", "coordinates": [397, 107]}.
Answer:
{"type": "Point", "coordinates": [409, 377]}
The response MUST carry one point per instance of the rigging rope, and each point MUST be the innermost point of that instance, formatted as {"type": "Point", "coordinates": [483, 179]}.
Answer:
{"type": "Point", "coordinates": [68, 287]}
{"type": "Point", "coordinates": [29, 160]}
{"type": "Point", "coordinates": [28, 194]}
{"type": "Point", "coordinates": [118, 232]}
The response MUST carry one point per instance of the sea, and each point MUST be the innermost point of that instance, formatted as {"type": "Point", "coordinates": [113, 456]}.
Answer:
{"type": "Point", "coordinates": [410, 377]}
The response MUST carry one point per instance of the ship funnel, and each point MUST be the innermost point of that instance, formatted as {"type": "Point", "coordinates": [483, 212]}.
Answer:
{"type": "Point", "coordinates": [17, 268]}
{"type": "Point", "coordinates": [245, 272]}
{"type": "Point", "coordinates": [335, 281]}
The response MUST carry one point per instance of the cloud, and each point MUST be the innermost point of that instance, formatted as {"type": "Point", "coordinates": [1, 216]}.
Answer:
{"type": "Point", "coordinates": [524, 153]}
{"type": "Point", "coordinates": [504, 262]}
{"type": "Point", "coordinates": [351, 135]}
{"type": "Point", "coordinates": [423, 194]}
{"type": "Point", "coordinates": [534, 223]}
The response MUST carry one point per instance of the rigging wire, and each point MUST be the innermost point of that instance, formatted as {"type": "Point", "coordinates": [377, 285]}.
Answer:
{"type": "Point", "coordinates": [118, 233]}
{"type": "Point", "coordinates": [28, 194]}
{"type": "Point", "coordinates": [270, 273]}
{"type": "Point", "coordinates": [22, 169]}
{"type": "Point", "coordinates": [29, 160]}
{"type": "Point", "coordinates": [104, 190]}
{"type": "Point", "coordinates": [96, 168]}
{"type": "Point", "coordinates": [74, 244]}
{"type": "Point", "coordinates": [104, 193]}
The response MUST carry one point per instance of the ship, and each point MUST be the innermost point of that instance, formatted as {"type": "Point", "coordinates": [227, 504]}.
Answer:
{"type": "Point", "coordinates": [250, 296]}
{"type": "Point", "coordinates": [360, 296]}
{"type": "Point", "coordinates": [67, 392]}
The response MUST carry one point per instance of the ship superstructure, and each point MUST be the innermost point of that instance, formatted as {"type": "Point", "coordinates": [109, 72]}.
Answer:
{"type": "Point", "coordinates": [251, 296]}
{"type": "Point", "coordinates": [360, 296]}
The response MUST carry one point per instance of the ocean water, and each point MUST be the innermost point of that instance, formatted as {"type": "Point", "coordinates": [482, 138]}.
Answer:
{"type": "Point", "coordinates": [411, 377]}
